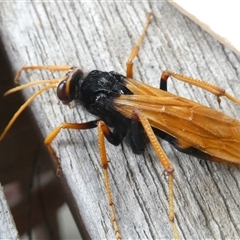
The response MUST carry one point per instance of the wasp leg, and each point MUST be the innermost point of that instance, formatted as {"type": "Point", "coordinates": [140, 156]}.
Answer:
{"type": "Point", "coordinates": [41, 67]}
{"type": "Point", "coordinates": [137, 137]}
{"type": "Point", "coordinates": [168, 168]}
{"type": "Point", "coordinates": [103, 130]}
{"type": "Point", "coordinates": [115, 137]}
{"type": "Point", "coordinates": [218, 92]}
{"type": "Point", "coordinates": [48, 140]}
{"type": "Point", "coordinates": [19, 111]}
{"type": "Point", "coordinates": [135, 49]}
{"type": "Point", "coordinates": [136, 134]}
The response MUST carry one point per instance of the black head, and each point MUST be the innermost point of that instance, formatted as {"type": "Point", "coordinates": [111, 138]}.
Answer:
{"type": "Point", "coordinates": [67, 87]}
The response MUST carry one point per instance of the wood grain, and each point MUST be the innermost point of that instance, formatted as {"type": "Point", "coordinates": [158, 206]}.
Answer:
{"type": "Point", "coordinates": [7, 225]}
{"type": "Point", "coordinates": [98, 35]}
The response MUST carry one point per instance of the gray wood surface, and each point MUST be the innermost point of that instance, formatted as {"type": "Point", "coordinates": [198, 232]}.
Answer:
{"type": "Point", "coordinates": [7, 225]}
{"type": "Point", "coordinates": [95, 35]}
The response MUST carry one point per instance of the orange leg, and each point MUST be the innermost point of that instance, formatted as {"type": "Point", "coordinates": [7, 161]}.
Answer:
{"type": "Point", "coordinates": [48, 140]}
{"type": "Point", "coordinates": [168, 168]}
{"type": "Point", "coordinates": [102, 127]}
{"type": "Point", "coordinates": [135, 50]}
{"type": "Point", "coordinates": [218, 92]}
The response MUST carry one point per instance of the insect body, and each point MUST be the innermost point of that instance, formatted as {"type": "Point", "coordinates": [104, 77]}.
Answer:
{"type": "Point", "coordinates": [115, 98]}
{"type": "Point", "coordinates": [123, 105]}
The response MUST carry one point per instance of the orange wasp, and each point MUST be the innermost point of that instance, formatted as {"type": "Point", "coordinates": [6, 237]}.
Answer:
{"type": "Point", "coordinates": [123, 105]}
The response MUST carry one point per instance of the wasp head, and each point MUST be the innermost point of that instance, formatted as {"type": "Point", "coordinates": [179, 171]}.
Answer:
{"type": "Point", "coordinates": [68, 86]}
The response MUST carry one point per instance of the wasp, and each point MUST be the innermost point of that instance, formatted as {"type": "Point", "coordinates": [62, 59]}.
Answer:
{"type": "Point", "coordinates": [127, 106]}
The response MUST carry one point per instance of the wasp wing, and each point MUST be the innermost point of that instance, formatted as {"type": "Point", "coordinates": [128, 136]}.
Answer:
{"type": "Point", "coordinates": [192, 124]}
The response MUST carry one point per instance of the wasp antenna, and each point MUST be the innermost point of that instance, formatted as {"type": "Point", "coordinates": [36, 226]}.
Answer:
{"type": "Point", "coordinates": [41, 67]}
{"type": "Point", "coordinates": [18, 88]}
{"type": "Point", "coordinates": [15, 116]}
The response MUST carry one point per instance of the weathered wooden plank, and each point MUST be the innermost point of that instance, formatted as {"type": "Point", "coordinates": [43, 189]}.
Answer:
{"type": "Point", "coordinates": [7, 226]}
{"type": "Point", "coordinates": [100, 36]}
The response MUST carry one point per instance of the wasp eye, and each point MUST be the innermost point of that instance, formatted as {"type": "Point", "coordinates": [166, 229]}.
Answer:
{"type": "Point", "coordinates": [63, 92]}
{"type": "Point", "coordinates": [66, 89]}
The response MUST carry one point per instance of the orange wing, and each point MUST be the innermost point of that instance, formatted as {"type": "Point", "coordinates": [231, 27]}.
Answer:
{"type": "Point", "coordinates": [192, 124]}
